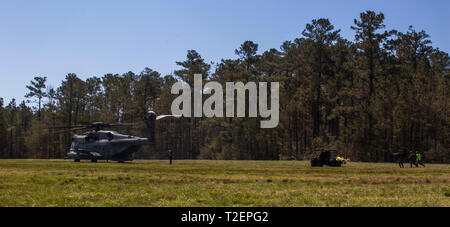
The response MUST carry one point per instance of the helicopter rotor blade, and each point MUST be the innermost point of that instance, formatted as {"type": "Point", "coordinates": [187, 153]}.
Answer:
{"type": "Point", "coordinates": [167, 116]}
{"type": "Point", "coordinates": [72, 130]}
{"type": "Point", "coordinates": [121, 125]}
{"type": "Point", "coordinates": [69, 127]}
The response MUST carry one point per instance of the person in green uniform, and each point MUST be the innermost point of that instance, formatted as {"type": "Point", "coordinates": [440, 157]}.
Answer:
{"type": "Point", "coordinates": [419, 159]}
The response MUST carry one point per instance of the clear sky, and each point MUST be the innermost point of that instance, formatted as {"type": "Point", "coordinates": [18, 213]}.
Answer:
{"type": "Point", "coordinates": [95, 37]}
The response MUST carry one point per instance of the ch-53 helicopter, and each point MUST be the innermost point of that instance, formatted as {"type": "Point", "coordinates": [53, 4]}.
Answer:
{"type": "Point", "coordinates": [100, 144]}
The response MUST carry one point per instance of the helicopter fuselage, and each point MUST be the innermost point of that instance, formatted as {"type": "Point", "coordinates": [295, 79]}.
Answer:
{"type": "Point", "coordinates": [106, 145]}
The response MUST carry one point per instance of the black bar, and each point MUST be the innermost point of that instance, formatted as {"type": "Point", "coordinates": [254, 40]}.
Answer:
{"type": "Point", "coordinates": [229, 216]}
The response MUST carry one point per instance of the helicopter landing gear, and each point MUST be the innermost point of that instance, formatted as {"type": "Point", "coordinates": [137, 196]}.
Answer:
{"type": "Point", "coordinates": [76, 160]}
{"type": "Point", "coordinates": [94, 160]}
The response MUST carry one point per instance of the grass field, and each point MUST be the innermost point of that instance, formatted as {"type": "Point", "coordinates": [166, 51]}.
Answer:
{"type": "Point", "coordinates": [219, 183]}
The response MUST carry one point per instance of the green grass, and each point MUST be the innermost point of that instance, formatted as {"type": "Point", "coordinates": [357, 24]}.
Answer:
{"type": "Point", "coordinates": [219, 183]}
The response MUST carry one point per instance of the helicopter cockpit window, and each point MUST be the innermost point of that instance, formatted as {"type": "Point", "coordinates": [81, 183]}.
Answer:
{"type": "Point", "coordinates": [92, 137]}
{"type": "Point", "coordinates": [110, 136]}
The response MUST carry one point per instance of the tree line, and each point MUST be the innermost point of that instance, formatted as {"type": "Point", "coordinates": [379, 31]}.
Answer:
{"type": "Point", "coordinates": [384, 92]}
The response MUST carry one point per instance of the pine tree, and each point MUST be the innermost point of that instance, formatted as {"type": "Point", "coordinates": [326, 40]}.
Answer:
{"type": "Point", "coordinates": [37, 90]}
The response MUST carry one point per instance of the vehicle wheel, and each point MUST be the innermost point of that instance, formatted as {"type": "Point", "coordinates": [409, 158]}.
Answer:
{"type": "Point", "coordinates": [76, 160]}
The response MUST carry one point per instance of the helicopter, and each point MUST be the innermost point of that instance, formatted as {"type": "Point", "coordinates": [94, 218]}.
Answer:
{"type": "Point", "coordinates": [100, 144]}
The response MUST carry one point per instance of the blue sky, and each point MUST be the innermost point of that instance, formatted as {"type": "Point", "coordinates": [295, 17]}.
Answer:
{"type": "Point", "coordinates": [92, 38]}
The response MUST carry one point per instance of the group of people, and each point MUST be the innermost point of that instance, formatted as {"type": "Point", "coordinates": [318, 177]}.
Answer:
{"type": "Point", "coordinates": [414, 158]}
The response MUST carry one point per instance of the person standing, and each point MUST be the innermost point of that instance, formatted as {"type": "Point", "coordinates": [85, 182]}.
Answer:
{"type": "Point", "coordinates": [170, 156]}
